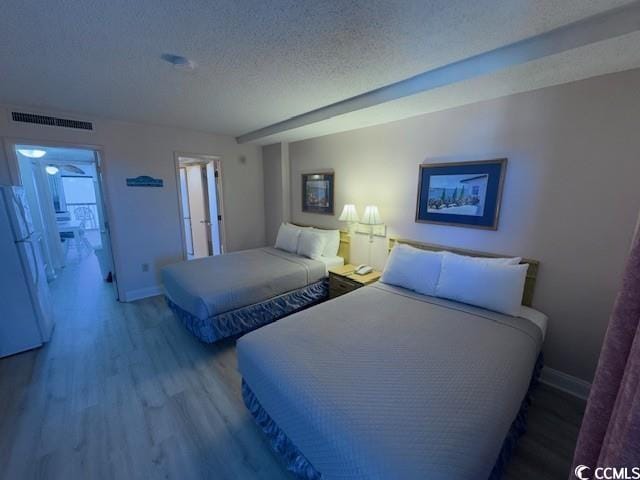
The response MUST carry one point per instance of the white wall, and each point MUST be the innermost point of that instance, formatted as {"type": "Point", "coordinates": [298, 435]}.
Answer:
{"type": "Point", "coordinates": [571, 196]}
{"type": "Point", "coordinates": [272, 167]}
{"type": "Point", "coordinates": [146, 221]}
{"type": "Point", "coordinates": [277, 191]}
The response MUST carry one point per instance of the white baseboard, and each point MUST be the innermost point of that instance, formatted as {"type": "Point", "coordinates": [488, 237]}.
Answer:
{"type": "Point", "coordinates": [565, 382]}
{"type": "Point", "coordinates": [139, 294]}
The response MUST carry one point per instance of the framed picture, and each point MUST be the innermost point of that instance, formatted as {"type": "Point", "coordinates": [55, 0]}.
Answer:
{"type": "Point", "coordinates": [465, 194]}
{"type": "Point", "coordinates": [317, 193]}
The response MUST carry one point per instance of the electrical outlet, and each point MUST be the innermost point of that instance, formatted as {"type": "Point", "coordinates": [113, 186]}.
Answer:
{"type": "Point", "coordinates": [145, 267]}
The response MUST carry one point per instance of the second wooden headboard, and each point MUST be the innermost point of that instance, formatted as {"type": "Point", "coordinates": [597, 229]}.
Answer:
{"type": "Point", "coordinates": [532, 272]}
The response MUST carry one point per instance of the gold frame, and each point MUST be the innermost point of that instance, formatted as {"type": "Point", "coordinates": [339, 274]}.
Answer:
{"type": "Point", "coordinates": [333, 191]}
{"type": "Point", "coordinates": [503, 171]}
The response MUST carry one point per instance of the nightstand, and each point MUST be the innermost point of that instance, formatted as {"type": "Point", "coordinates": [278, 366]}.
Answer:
{"type": "Point", "coordinates": [343, 280]}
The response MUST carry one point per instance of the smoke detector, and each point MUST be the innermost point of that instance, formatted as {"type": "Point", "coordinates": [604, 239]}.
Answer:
{"type": "Point", "coordinates": [179, 62]}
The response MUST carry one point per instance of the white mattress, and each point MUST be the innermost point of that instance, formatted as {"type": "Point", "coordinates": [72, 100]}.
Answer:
{"type": "Point", "coordinates": [213, 285]}
{"type": "Point", "coordinates": [536, 317]}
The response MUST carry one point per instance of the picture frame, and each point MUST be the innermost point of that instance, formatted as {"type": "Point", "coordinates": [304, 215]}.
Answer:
{"type": "Point", "coordinates": [318, 192]}
{"type": "Point", "coordinates": [461, 194]}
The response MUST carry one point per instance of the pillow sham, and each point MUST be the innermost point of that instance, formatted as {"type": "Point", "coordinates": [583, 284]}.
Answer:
{"type": "Point", "coordinates": [332, 241]}
{"type": "Point", "coordinates": [489, 285]}
{"type": "Point", "coordinates": [310, 244]}
{"type": "Point", "coordinates": [413, 268]}
{"type": "Point", "coordinates": [287, 238]}
{"type": "Point", "coordinates": [498, 261]}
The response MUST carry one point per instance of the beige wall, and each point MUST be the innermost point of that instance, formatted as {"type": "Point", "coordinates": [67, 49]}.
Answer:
{"type": "Point", "coordinates": [272, 167]}
{"type": "Point", "coordinates": [146, 221]}
{"type": "Point", "coordinates": [571, 195]}
{"type": "Point", "coordinates": [277, 191]}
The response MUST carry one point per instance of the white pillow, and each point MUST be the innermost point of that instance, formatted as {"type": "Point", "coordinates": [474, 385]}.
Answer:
{"type": "Point", "coordinates": [499, 261]}
{"type": "Point", "coordinates": [332, 241]}
{"type": "Point", "coordinates": [297, 227]}
{"type": "Point", "coordinates": [412, 268]}
{"type": "Point", "coordinates": [489, 285]}
{"type": "Point", "coordinates": [310, 244]}
{"type": "Point", "coordinates": [287, 238]}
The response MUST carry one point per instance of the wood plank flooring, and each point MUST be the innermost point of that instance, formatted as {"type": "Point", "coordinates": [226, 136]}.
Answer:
{"type": "Point", "coordinates": [123, 391]}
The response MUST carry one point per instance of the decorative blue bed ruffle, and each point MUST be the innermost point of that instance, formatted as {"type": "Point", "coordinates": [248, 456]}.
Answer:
{"type": "Point", "coordinates": [297, 463]}
{"type": "Point", "coordinates": [519, 425]}
{"type": "Point", "coordinates": [245, 319]}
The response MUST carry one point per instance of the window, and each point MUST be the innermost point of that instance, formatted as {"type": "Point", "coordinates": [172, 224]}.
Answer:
{"type": "Point", "coordinates": [80, 197]}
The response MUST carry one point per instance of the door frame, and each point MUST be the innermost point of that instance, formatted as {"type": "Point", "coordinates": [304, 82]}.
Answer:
{"type": "Point", "coordinates": [10, 144]}
{"type": "Point", "coordinates": [206, 158]}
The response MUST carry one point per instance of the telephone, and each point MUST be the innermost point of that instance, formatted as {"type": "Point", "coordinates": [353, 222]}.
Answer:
{"type": "Point", "coordinates": [363, 269]}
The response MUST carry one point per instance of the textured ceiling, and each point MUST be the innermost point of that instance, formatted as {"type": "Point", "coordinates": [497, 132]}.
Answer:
{"type": "Point", "coordinates": [622, 53]}
{"type": "Point", "coordinates": [264, 61]}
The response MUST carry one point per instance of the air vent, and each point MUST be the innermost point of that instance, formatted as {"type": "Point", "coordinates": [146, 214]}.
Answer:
{"type": "Point", "coordinates": [23, 117]}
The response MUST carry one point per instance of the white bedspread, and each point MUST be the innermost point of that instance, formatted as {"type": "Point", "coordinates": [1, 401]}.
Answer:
{"type": "Point", "coordinates": [384, 383]}
{"type": "Point", "coordinates": [213, 285]}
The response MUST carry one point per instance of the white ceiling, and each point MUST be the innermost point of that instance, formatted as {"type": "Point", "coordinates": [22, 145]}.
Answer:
{"type": "Point", "coordinates": [261, 62]}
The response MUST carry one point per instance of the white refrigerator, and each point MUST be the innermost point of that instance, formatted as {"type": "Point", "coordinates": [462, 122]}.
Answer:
{"type": "Point", "coordinates": [26, 317]}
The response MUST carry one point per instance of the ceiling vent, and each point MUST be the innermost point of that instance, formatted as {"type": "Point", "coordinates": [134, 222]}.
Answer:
{"type": "Point", "coordinates": [36, 119]}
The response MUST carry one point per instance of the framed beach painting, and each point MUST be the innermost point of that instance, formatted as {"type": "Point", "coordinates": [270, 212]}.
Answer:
{"type": "Point", "coordinates": [317, 192]}
{"type": "Point", "coordinates": [464, 194]}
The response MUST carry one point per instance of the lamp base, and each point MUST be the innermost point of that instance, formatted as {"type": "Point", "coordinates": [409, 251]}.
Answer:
{"type": "Point", "coordinates": [375, 230]}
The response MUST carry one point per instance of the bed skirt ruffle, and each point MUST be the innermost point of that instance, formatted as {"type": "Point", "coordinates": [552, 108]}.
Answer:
{"type": "Point", "coordinates": [280, 443]}
{"type": "Point", "coordinates": [297, 463]}
{"type": "Point", "coordinates": [245, 319]}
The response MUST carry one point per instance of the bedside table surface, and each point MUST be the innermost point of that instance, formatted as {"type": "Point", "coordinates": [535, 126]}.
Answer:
{"type": "Point", "coordinates": [343, 270]}
{"type": "Point", "coordinates": [366, 279]}
{"type": "Point", "coordinates": [348, 270]}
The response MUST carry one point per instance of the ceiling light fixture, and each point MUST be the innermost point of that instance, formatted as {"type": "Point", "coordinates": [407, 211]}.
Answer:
{"type": "Point", "coordinates": [51, 169]}
{"type": "Point", "coordinates": [32, 153]}
{"type": "Point", "coordinates": [179, 62]}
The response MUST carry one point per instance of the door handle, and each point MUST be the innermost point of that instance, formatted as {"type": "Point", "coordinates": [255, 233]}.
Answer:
{"type": "Point", "coordinates": [206, 222]}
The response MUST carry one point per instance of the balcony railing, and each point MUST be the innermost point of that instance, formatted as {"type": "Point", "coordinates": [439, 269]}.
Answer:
{"type": "Point", "coordinates": [85, 213]}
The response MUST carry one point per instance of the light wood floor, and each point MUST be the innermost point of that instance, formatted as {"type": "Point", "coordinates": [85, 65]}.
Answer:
{"type": "Point", "coordinates": [123, 391]}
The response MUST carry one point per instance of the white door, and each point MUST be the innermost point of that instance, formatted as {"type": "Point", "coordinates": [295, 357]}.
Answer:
{"type": "Point", "coordinates": [186, 214]}
{"type": "Point", "coordinates": [31, 252]}
{"type": "Point", "coordinates": [19, 213]}
{"type": "Point", "coordinates": [214, 213]}
{"type": "Point", "coordinates": [18, 327]}
{"type": "Point", "coordinates": [197, 211]}
{"type": "Point", "coordinates": [106, 252]}
{"type": "Point", "coordinates": [200, 198]}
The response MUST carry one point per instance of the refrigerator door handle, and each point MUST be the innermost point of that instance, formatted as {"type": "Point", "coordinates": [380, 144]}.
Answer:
{"type": "Point", "coordinates": [35, 261]}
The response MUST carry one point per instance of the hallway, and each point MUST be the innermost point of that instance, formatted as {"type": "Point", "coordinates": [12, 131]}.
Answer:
{"type": "Point", "coordinates": [124, 386]}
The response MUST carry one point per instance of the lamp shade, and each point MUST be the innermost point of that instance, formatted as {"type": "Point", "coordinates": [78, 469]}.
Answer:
{"type": "Point", "coordinates": [51, 169]}
{"type": "Point", "coordinates": [349, 214]}
{"type": "Point", "coordinates": [371, 216]}
{"type": "Point", "coordinates": [32, 152]}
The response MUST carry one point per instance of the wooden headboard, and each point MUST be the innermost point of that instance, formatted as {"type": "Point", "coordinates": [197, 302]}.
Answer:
{"type": "Point", "coordinates": [532, 272]}
{"type": "Point", "coordinates": [345, 241]}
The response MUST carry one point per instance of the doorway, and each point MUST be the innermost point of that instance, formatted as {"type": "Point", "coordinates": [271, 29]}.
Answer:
{"type": "Point", "coordinates": [200, 202]}
{"type": "Point", "coordinates": [64, 192]}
